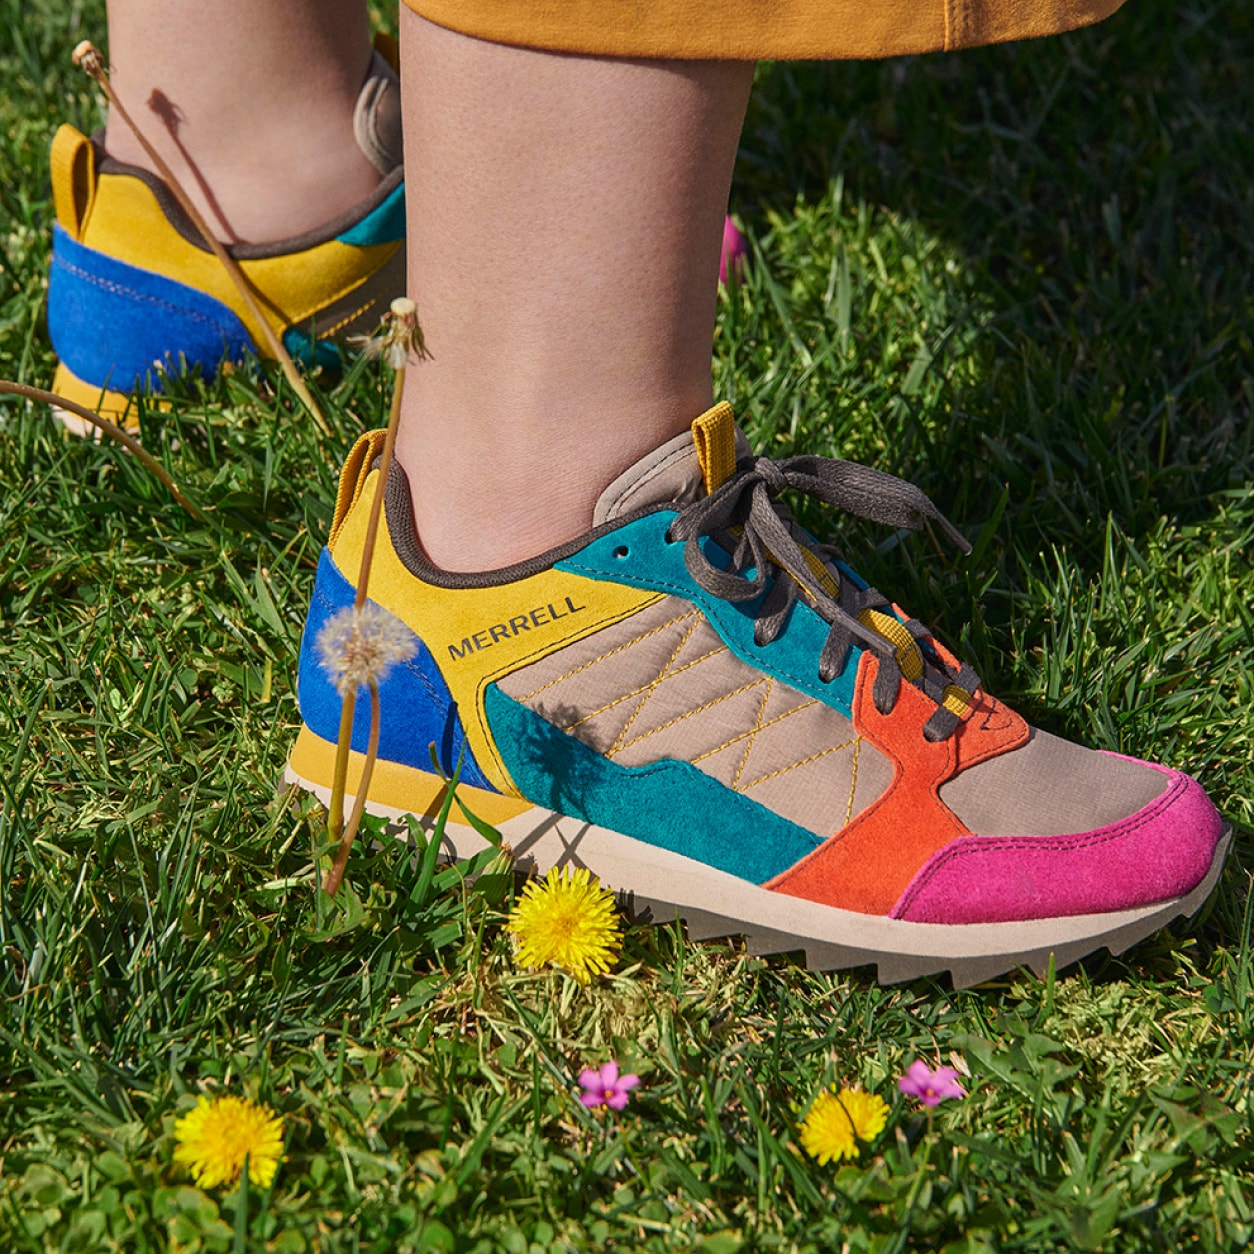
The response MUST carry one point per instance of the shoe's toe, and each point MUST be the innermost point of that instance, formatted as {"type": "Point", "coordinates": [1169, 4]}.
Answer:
{"type": "Point", "coordinates": [1155, 854]}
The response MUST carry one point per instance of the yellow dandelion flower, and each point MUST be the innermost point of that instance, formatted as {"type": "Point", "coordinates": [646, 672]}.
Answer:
{"type": "Point", "coordinates": [838, 1121]}
{"type": "Point", "coordinates": [866, 1111]}
{"type": "Point", "coordinates": [213, 1140]}
{"type": "Point", "coordinates": [567, 920]}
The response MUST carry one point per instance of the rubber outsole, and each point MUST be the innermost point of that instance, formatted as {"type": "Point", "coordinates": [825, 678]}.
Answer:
{"type": "Point", "coordinates": [659, 886]}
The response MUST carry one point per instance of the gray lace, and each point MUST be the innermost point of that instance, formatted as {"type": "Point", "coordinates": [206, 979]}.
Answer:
{"type": "Point", "coordinates": [747, 520]}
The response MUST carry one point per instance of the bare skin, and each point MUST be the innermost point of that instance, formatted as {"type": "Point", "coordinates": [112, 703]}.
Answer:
{"type": "Point", "coordinates": [565, 224]}
{"type": "Point", "coordinates": [565, 219]}
{"type": "Point", "coordinates": [251, 104]}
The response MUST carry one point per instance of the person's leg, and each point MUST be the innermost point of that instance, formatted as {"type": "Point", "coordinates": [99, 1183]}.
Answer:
{"type": "Point", "coordinates": [564, 236]}
{"type": "Point", "coordinates": [251, 104]}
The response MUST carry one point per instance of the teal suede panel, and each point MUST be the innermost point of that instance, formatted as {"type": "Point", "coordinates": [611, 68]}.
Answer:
{"type": "Point", "coordinates": [638, 555]}
{"type": "Point", "coordinates": [302, 347]}
{"type": "Point", "coordinates": [671, 805]}
{"type": "Point", "coordinates": [382, 225]}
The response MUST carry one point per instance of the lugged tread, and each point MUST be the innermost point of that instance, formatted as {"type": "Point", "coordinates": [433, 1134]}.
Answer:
{"type": "Point", "coordinates": [826, 953]}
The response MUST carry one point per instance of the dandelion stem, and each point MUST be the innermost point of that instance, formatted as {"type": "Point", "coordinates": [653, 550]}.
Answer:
{"type": "Point", "coordinates": [405, 327]}
{"type": "Point", "coordinates": [359, 805]}
{"type": "Point", "coordinates": [335, 815]}
{"type": "Point", "coordinates": [376, 505]}
{"type": "Point", "coordinates": [240, 1242]}
{"type": "Point", "coordinates": [111, 430]}
{"type": "Point", "coordinates": [92, 64]}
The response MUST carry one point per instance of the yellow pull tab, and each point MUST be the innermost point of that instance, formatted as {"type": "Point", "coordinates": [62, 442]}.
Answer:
{"type": "Point", "coordinates": [388, 48]}
{"type": "Point", "coordinates": [73, 162]}
{"type": "Point", "coordinates": [353, 476]}
{"type": "Point", "coordinates": [714, 434]}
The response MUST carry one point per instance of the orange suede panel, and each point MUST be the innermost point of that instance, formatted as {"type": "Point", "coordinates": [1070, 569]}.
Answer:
{"type": "Point", "coordinates": [750, 30]}
{"type": "Point", "coordinates": [991, 728]}
{"type": "Point", "coordinates": [867, 865]}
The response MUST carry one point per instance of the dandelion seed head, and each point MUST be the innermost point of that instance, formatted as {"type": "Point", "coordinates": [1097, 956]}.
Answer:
{"type": "Point", "coordinates": [567, 920]}
{"type": "Point", "coordinates": [86, 57]}
{"type": "Point", "coordinates": [359, 646]}
{"type": "Point", "coordinates": [213, 1140]}
{"type": "Point", "coordinates": [398, 338]}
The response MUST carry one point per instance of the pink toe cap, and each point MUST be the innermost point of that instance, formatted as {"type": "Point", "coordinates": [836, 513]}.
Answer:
{"type": "Point", "coordinates": [1155, 855]}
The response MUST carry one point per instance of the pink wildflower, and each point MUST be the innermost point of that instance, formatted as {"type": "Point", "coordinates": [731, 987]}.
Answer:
{"type": "Point", "coordinates": [735, 252]}
{"type": "Point", "coordinates": [930, 1087]}
{"type": "Point", "coordinates": [605, 1087]}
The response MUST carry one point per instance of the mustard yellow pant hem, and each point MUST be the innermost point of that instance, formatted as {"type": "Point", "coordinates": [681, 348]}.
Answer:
{"type": "Point", "coordinates": [750, 30]}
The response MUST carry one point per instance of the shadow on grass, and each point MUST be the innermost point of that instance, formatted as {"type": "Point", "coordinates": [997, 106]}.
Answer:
{"type": "Point", "coordinates": [1097, 187]}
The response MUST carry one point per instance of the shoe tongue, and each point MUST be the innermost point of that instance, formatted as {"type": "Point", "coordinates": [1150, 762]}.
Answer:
{"type": "Point", "coordinates": [377, 116]}
{"type": "Point", "coordinates": [679, 471]}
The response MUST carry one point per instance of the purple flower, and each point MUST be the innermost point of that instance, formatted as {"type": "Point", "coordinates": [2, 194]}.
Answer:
{"type": "Point", "coordinates": [735, 252]}
{"type": "Point", "coordinates": [606, 1087]}
{"type": "Point", "coordinates": [930, 1087]}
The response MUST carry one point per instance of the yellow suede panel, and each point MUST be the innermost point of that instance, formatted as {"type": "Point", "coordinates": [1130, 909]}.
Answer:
{"type": "Point", "coordinates": [117, 407]}
{"type": "Point", "coordinates": [397, 786]}
{"type": "Point", "coordinates": [127, 223]}
{"type": "Point", "coordinates": [73, 163]}
{"type": "Point", "coordinates": [714, 434]}
{"type": "Point", "coordinates": [480, 634]}
{"type": "Point", "coordinates": [389, 48]}
{"type": "Point", "coordinates": [748, 30]}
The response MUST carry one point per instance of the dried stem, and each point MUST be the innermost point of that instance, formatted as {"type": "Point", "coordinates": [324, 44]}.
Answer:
{"type": "Point", "coordinates": [339, 779]}
{"type": "Point", "coordinates": [405, 336]}
{"type": "Point", "coordinates": [376, 505]}
{"type": "Point", "coordinates": [336, 874]}
{"type": "Point", "coordinates": [92, 64]}
{"type": "Point", "coordinates": [113, 432]}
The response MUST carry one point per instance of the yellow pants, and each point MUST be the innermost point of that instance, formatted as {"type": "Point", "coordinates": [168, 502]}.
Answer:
{"type": "Point", "coordinates": [749, 30]}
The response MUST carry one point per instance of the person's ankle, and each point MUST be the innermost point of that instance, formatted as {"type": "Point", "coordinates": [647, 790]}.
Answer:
{"type": "Point", "coordinates": [258, 189]}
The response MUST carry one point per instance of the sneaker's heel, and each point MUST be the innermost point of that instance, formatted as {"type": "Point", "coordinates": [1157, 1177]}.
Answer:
{"type": "Point", "coordinates": [118, 407]}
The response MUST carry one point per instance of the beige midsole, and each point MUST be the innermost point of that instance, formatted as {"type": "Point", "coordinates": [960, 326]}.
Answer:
{"type": "Point", "coordinates": [621, 862]}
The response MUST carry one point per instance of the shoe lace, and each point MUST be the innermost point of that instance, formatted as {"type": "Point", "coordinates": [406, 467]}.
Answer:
{"type": "Point", "coordinates": [746, 519]}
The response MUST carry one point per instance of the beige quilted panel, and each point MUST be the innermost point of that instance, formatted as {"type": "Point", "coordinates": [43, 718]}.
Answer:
{"type": "Point", "coordinates": [662, 684]}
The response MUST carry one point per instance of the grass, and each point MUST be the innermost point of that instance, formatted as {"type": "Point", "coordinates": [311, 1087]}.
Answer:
{"type": "Point", "coordinates": [1018, 276]}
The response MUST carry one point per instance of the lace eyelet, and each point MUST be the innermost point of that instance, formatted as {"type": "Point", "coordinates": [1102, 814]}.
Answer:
{"type": "Point", "coordinates": [621, 552]}
{"type": "Point", "coordinates": [668, 538]}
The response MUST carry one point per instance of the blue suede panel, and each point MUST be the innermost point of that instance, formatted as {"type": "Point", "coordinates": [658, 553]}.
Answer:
{"type": "Point", "coordinates": [416, 707]}
{"type": "Point", "coordinates": [671, 805]}
{"type": "Point", "coordinates": [382, 225]}
{"type": "Point", "coordinates": [149, 318]}
{"type": "Point", "coordinates": [638, 555]}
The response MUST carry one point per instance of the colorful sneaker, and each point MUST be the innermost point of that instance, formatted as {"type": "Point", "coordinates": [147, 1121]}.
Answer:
{"type": "Point", "coordinates": [719, 717]}
{"type": "Point", "coordinates": [134, 290]}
